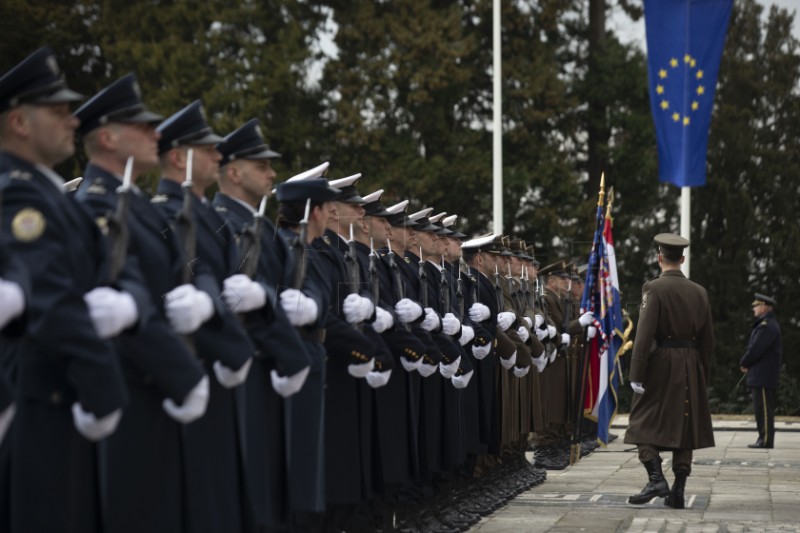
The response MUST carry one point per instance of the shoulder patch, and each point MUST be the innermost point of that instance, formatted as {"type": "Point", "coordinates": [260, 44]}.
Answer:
{"type": "Point", "coordinates": [407, 260]}
{"type": "Point", "coordinates": [644, 299]}
{"type": "Point", "coordinates": [28, 225]}
{"type": "Point", "coordinates": [102, 223]}
{"type": "Point", "coordinates": [18, 174]}
{"type": "Point", "coordinates": [326, 240]}
{"type": "Point", "coordinates": [220, 209]}
{"type": "Point", "coordinates": [159, 199]}
{"type": "Point", "coordinates": [97, 188]}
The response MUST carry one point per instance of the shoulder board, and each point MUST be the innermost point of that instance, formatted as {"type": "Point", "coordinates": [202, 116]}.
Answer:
{"type": "Point", "coordinates": [159, 199]}
{"type": "Point", "coordinates": [18, 174]}
{"type": "Point", "coordinates": [97, 187]}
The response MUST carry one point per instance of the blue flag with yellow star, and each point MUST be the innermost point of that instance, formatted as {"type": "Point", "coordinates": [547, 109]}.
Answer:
{"type": "Point", "coordinates": [684, 48]}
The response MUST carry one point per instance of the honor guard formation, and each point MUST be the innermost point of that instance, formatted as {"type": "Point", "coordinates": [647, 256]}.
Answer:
{"type": "Point", "coordinates": [184, 364]}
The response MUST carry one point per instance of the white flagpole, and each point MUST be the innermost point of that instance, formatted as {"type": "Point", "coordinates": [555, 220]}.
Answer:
{"type": "Point", "coordinates": [497, 103]}
{"type": "Point", "coordinates": [686, 225]}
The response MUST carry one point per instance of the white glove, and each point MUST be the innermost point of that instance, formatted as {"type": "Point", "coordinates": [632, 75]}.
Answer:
{"type": "Point", "coordinates": [478, 312]}
{"type": "Point", "coordinates": [241, 294]}
{"type": "Point", "coordinates": [299, 308]}
{"type": "Point", "coordinates": [383, 320]}
{"type": "Point", "coordinates": [111, 311]}
{"type": "Point", "coordinates": [565, 338]}
{"type": "Point", "coordinates": [285, 386]}
{"type": "Point", "coordinates": [541, 334]}
{"type": "Point", "coordinates": [540, 362]}
{"type": "Point", "coordinates": [5, 419]}
{"type": "Point", "coordinates": [187, 308]}
{"type": "Point", "coordinates": [378, 379]}
{"type": "Point", "coordinates": [12, 301]}
{"type": "Point", "coordinates": [505, 319]}
{"type": "Point", "coordinates": [481, 351]}
{"type": "Point", "coordinates": [592, 331]}
{"type": "Point", "coordinates": [411, 366]}
{"type": "Point", "coordinates": [467, 334]}
{"type": "Point", "coordinates": [360, 370]}
{"type": "Point", "coordinates": [407, 310]}
{"type": "Point", "coordinates": [508, 363]}
{"type": "Point", "coordinates": [538, 320]}
{"type": "Point", "coordinates": [637, 387]}
{"type": "Point", "coordinates": [231, 378]}
{"type": "Point", "coordinates": [357, 308]}
{"type": "Point", "coordinates": [426, 370]}
{"type": "Point", "coordinates": [521, 372]}
{"type": "Point", "coordinates": [92, 428]}
{"type": "Point", "coordinates": [450, 324]}
{"type": "Point", "coordinates": [449, 370]}
{"type": "Point", "coordinates": [523, 334]}
{"type": "Point", "coordinates": [528, 321]}
{"type": "Point", "coordinates": [551, 332]}
{"type": "Point", "coordinates": [586, 319]}
{"type": "Point", "coordinates": [193, 406]}
{"type": "Point", "coordinates": [432, 321]}
{"type": "Point", "coordinates": [461, 382]}
{"type": "Point", "coordinates": [552, 355]}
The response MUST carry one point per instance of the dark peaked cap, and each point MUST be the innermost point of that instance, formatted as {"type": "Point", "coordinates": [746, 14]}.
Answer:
{"type": "Point", "coordinates": [246, 142]}
{"type": "Point", "coordinates": [670, 241]}
{"type": "Point", "coordinates": [119, 102]}
{"type": "Point", "coordinates": [764, 299]}
{"type": "Point", "coordinates": [35, 80]}
{"type": "Point", "coordinates": [561, 269]}
{"type": "Point", "coordinates": [187, 127]}
{"type": "Point", "coordinates": [316, 189]}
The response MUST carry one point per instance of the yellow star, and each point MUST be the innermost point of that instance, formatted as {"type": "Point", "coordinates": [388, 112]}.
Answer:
{"type": "Point", "coordinates": [664, 104]}
{"type": "Point", "coordinates": [699, 74]}
{"type": "Point", "coordinates": [659, 89]}
{"type": "Point", "coordinates": [701, 89]}
{"type": "Point", "coordinates": [685, 121]}
{"type": "Point", "coordinates": [662, 73]}
{"type": "Point", "coordinates": [687, 58]}
{"type": "Point", "coordinates": [693, 63]}
{"type": "Point", "coordinates": [676, 117]}
{"type": "Point", "coordinates": [695, 105]}
{"type": "Point", "coordinates": [673, 62]}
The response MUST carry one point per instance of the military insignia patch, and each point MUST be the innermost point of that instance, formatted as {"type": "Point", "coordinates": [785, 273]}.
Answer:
{"type": "Point", "coordinates": [407, 260]}
{"type": "Point", "coordinates": [17, 174]}
{"type": "Point", "coordinates": [96, 188]}
{"type": "Point", "coordinates": [159, 199]}
{"type": "Point", "coordinates": [326, 240]}
{"type": "Point", "coordinates": [102, 223]}
{"type": "Point", "coordinates": [644, 300]}
{"type": "Point", "coordinates": [28, 225]}
{"type": "Point", "coordinates": [221, 209]}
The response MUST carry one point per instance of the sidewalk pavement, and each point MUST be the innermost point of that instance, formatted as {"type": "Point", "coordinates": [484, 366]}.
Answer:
{"type": "Point", "coordinates": [732, 488]}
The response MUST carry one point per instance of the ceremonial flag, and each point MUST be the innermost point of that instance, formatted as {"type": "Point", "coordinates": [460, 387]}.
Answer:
{"type": "Point", "coordinates": [684, 48]}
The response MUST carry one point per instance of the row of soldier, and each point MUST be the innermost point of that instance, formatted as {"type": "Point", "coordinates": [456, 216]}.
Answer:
{"type": "Point", "coordinates": [178, 364]}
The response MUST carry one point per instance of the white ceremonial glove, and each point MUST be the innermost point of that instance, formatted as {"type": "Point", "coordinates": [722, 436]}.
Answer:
{"type": "Point", "coordinates": [467, 334]}
{"type": "Point", "coordinates": [383, 320]}
{"type": "Point", "coordinates": [231, 378]}
{"type": "Point", "coordinates": [12, 301]}
{"type": "Point", "coordinates": [411, 366]}
{"type": "Point", "coordinates": [449, 370]}
{"type": "Point", "coordinates": [592, 331]}
{"type": "Point", "coordinates": [425, 370]}
{"type": "Point", "coordinates": [6, 417]}
{"type": "Point", "coordinates": [552, 355]}
{"type": "Point", "coordinates": [541, 334]}
{"type": "Point", "coordinates": [241, 294]}
{"type": "Point", "coordinates": [523, 334]}
{"type": "Point", "coordinates": [508, 363]}
{"type": "Point", "coordinates": [432, 321]}
{"type": "Point", "coordinates": [187, 308]}
{"type": "Point", "coordinates": [360, 370]}
{"type": "Point", "coordinates": [299, 308]}
{"type": "Point", "coordinates": [450, 324]}
{"type": "Point", "coordinates": [540, 362]}
{"type": "Point", "coordinates": [461, 382]}
{"type": "Point", "coordinates": [478, 312]}
{"type": "Point", "coordinates": [285, 386]}
{"type": "Point", "coordinates": [378, 379]}
{"type": "Point", "coordinates": [193, 406]}
{"type": "Point", "coordinates": [505, 319]}
{"type": "Point", "coordinates": [93, 428]}
{"type": "Point", "coordinates": [538, 321]}
{"type": "Point", "coordinates": [111, 311]}
{"type": "Point", "coordinates": [565, 338]}
{"type": "Point", "coordinates": [637, 387]}
{"type": "Point", "coordinates": [357, 308]}
{"type": "Point", "coordinates": [586, 319]}
{"type": "Point", "coordinates": [528, 322]}
{"type": "Point", "coordinates": [481, 351]}
{"type": "Point", "coordinates": [521, 372]}
{"type": "Point", "coordinates": [407, 310]}
{"type": "Point", "coordinates": [552, 332]}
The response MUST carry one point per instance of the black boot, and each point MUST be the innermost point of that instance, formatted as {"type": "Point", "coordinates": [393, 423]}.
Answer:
{"type": "Point", "coordinates": [675, 497]}
{"type": "Point", "coordinates": [656, 484]}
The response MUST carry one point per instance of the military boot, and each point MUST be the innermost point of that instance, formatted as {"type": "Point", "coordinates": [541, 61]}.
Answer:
{"type": "Point", "coordinates": [656, 484]}
{"type": "Point", "coordinates": [675, 498]}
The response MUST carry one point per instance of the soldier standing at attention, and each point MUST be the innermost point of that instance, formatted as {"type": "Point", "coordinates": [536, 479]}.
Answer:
{"type": "Point", "coordinates": [670, 405]}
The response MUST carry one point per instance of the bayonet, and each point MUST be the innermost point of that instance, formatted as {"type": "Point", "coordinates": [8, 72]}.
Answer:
{"type": "Point", "coordinates": [118, 231]}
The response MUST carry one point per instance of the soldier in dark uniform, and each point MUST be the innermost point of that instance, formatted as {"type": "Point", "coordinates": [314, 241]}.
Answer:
{"type": "Point", "coordinates": [143, 461]}
{"type": "Point", "coordinates": [213, 447]}
{"type": "Point", "coordinates": [70, 390]}
{"type": "Point", "coordinates": [762, 362]}
{"type": "Point", "coordinates": [670, 406]}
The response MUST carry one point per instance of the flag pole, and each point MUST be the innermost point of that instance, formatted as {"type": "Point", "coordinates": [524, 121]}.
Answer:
{"type": "Point", "coordinates": [686, 225]}
{"type": "Point", "coordinates": [497, 120]}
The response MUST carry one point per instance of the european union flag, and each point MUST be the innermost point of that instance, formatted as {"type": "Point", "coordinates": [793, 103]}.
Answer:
{"type": "Point", "coordinates": [684, 48]}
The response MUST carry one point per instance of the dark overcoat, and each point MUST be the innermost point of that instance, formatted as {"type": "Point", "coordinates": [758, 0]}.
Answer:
{"type": "Point", "coordinates": [764, 354]}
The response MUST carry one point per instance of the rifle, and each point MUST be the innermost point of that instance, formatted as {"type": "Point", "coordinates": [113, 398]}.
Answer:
{"type": "Point", "coordinates": [542, 304]}
{"type": "Point", "coordinates": [353, 274]}
{"type": "Point", "coordinates": [184, 222]}
{"type": "Point", "coordinates": [397, 279]}
{"type": "Point", "coordinates": [423, 281]}
{"type": "Point", "coordinates": [374, 281]}
{"type": "Point", "coordinates": [444, 287]}
{"type": "Point", "coordinates": [567, 317]}
{"type": "Point", "coordinates": [460, 292]}
{"type": "Point", "coordinates": [498, 291]}
{"type": "Point", "coordinates": [250, 241]}
{"type": "Point", "coordinates": [299, 249]}
{"type": "Point", "coordinates": [118, 231]}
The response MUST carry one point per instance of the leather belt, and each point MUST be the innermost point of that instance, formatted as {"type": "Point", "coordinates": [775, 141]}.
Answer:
{"type": "Point", "coordinates": [675, 343]}
{"type": "Point", "coordinates": [316, 335]}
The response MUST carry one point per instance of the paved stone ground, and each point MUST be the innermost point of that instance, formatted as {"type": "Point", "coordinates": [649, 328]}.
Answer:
{"type": "Point", "coordinates": [732, 489]}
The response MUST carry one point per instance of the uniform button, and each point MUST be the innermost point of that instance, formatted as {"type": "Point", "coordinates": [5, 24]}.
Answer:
{"type": "Point", "coordinates": [685, 414]}
{"type": "Point", "coordinates": [56, 398]}
{"type": "Point", "coordinates": [687, 401]}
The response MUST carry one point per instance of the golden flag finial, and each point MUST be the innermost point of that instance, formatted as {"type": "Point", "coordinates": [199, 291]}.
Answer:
{"type": "Point", "coordinates": [602, 189]}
